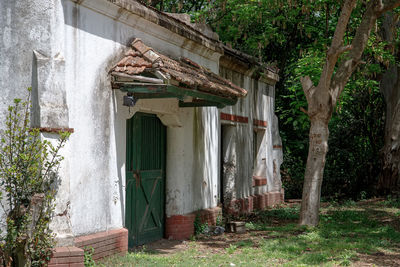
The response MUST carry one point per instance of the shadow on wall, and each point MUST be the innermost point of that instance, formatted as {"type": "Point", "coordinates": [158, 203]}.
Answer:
{"type": "Point", "coordinates": [237, 162]}
{"type": "Point", "coordinates": [120, 146]}
{"type": "Point", "coordinates": [108, 115]}
{"type": "Point", "coordinates": [94, 23]}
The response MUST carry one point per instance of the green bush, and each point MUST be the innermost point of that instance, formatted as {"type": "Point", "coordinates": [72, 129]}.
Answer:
{"type": "Point", "coordinates": [199, 227]}
{"type": "Point", "coordinates": [28, 182]}
{"type": "Point", "coordinates": [88, 257]}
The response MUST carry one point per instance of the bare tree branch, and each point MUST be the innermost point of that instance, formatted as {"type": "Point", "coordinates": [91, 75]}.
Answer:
{"type": "Point", "coordinates": [303, 110]}
{"type": "Point", "coordinates": [389, 5]}
{"type": "Point", "coordinates": [350, 63]}
{"type": "Point", "coordinates": [374, 10]}
{"type": "Point", "coordinates": [307, 84]}
{"type": "Point", "coordinates": [344, 49]}
{"type": "Point", "coordinates": [336, 47]}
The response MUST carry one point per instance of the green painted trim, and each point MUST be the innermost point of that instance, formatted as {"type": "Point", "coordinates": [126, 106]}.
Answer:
{"type": "Point", "coordinates": [151, 89]}
{"type": "Point", "coordinates": [153, 95]}
{"type": "Point", "coordinates": [200, 104]}
{"type": "Point", "coordinates": [201, 95]}
{"type": "Point", "coordinates": [171, 91]}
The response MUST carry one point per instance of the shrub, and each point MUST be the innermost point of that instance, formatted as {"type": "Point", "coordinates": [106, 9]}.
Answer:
{"type": "Point", "coordinates": [28, 185]}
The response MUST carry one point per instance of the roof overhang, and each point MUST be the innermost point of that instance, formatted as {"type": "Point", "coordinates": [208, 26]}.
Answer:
{"type": "Point", "coordinates": [249, 65]}
{"type": "Point", "coordinates": [144, 74]}
{"type": "Point", "coordinates": [187, 97]}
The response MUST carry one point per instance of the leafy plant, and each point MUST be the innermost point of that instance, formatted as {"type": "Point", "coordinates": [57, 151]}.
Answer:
{"type": "Point", "coordinates": [219, 220]}
{"type": "Point", "coordinates": [199, 227]}
{"type": "Point", "coordinates": [231, 249]}
{"type": "Point", "coordinates": [88, 257]}
{"type": "Point", "coordinates": [28, 180]}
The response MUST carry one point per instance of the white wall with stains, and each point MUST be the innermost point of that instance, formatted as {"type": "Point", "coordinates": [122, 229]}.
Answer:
{"type": "Point", "coordinates": [250, 150]}
{"type": "Point", "coordinates": [95, 41]}
{"type": "Point", "coordinates": [64, 50]}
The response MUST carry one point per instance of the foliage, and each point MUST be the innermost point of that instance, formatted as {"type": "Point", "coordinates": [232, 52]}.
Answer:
{"type": "Point", "coordinates": [28, 180]}
{"type": "Point", "coordinates": [294, 36]}
{"type": "Point", "coordinates": [88, 257]}
{"type": "Point", "coordinates": [356, 136]}
{"type": "Point", "coordinates": [392, 201]}
{"type": "Point", "coordinates": [345, 235]}
{"type": "Point", "coordinates": [178, 6]}
{"type": "Point", "coordinates": [356, 132]}
{"type": "Point", "coordinates": [199, 227]}
{"type": "Point", "coordinates": [231, 249]}
{"type": "Point", "coordinates": [219, 220]}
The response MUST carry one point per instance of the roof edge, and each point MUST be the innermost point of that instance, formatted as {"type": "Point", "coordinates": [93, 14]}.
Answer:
{"type": "Point", "coordinates": [248, 65]}
{"type": "Point", "coordinates": [247, 59]}
{"type": "Point", "coordinates": [169, 22]}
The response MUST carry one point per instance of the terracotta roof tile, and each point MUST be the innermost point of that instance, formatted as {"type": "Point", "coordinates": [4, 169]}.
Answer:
{"type": "Point", "coordinates": [141, 58]}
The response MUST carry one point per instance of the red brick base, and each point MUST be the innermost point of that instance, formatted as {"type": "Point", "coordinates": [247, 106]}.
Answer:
{"type": "Point", "coordinates": [67, 257]}
{"type": "Point", "coordinates": [180, 227]}
{"type": "Point", "coordinates": [257, 202]}
{"type": "Point", "coordinates": [104, 244]}
{"type": "Point", "coordinates": [209, 216]}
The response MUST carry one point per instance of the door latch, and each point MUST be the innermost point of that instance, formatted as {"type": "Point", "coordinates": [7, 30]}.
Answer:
{"type": "Point", "coordinates": [136, 176]}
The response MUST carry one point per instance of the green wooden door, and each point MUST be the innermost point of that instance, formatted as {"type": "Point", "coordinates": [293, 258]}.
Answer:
{"type": "Point", "coordinates": [145, 179]}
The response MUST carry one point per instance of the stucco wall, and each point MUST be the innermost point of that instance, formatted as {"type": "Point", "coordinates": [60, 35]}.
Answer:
{"type": "Point", "coordinates": [240, 160]}
{"type": "Point", "coordinates": [193, 162]}
{"type": "Point", "coordinates": [27, 26]}
{"type": "Point", "coordinates": [94, 42]}
{"type": "Point", "coordinates": [31, 55]}
{"type": "Point", "coordinates": [64, 50]}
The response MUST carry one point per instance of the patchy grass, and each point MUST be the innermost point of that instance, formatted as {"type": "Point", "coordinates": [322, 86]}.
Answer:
{"type": "Point", "coordinates": [354, 234]}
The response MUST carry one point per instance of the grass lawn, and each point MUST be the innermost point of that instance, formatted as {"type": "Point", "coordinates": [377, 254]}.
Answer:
{"type": "Point", "coordinates": [365, 233]}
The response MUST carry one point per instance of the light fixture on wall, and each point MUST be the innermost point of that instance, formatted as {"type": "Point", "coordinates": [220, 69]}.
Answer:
{"type": "Point", "coordinates": [129, 100]}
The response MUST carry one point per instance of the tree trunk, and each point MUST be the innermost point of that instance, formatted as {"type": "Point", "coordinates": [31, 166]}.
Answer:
{"type": "Point", "coordinates": [390, 88]}
{"type": "Point", "coordinates": [322, 99]}
{"type": "Point", "coordinates": [389, 177]}
{"type": "Point", "coordinates": [318, 149]}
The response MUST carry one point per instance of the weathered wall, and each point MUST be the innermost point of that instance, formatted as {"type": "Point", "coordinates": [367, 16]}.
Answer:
{"type": "Point", "coordinates": [31, 55]}
{"type": "Point", "coordinates": [94, 42]}
{"type": "Point", "coordinates": [29, 28]}
{"type": "Point", "coordinates": [64, 50]}
{"type": "Point", "coordinates": [247, 149]}
{"type": "Point", "coordinates": [193, 162]}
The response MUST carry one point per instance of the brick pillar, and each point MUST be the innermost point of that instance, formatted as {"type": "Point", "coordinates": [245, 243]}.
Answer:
{"type": "Point", "coordinates": [255, 202]}
{"type": "Point", "coordinates": [247, 204]}
{"type": "Point", "coordinates": [268, 199]}
{"type": "Point", "coordinates": [179, 227]}
{"type": "Point", "coordinates": [261, 201]}
{"type": "Point", "coordinates": [209, 216]}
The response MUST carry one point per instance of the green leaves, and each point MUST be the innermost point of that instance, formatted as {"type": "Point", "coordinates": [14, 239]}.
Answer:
{"type": "Point", "coordinates": [28, 173]}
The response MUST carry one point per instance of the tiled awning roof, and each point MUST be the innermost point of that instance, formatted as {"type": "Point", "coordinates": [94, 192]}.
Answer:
{"type": "Point", "coordinates": [141, 60]}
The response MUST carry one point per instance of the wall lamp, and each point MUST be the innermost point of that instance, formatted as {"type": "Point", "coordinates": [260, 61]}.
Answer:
{"type": "Point", "coordinates": [129, 100]}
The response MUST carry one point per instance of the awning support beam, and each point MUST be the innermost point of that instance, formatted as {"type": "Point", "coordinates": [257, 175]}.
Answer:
{"type": "Point", "coordinates": [200, 104]}
{"type": "Point", "coordinates": [172, 91]}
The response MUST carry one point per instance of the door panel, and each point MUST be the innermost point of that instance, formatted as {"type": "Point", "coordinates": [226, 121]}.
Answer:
{"type": "Point", "coordinates": [145, 179]}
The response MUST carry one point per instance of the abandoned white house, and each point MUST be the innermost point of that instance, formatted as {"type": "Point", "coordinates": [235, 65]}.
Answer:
{"type": "Point", "coordinates": [167, 122]}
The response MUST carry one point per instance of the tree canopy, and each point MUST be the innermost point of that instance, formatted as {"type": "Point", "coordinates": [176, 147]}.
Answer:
{"type": "Point", "coordinates": [295, 35]}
